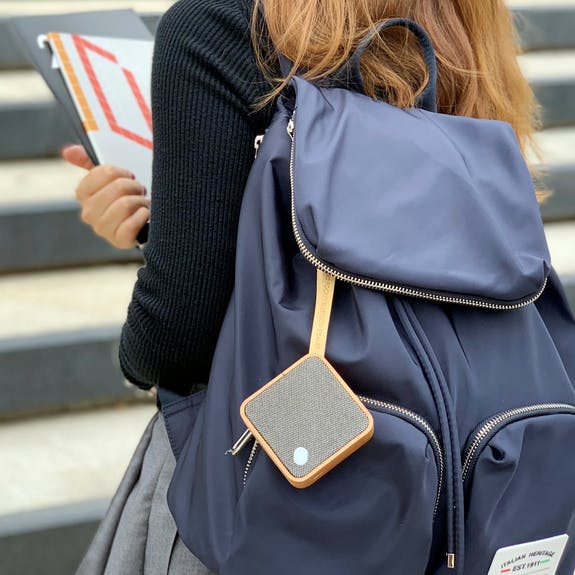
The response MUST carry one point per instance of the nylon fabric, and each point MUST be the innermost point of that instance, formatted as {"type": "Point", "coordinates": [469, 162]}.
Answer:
{"type": "Point", "coordinates": [417, 206]}
{"type": "Point", "coordinates": [418, 200]}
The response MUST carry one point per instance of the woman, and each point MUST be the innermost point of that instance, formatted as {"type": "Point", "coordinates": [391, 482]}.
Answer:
{"type": "Point", "coordinates": [213, 92]}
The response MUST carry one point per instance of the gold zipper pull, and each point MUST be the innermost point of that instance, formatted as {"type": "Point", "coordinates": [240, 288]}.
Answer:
{"type": "Point", "coordinates": [451, 560]}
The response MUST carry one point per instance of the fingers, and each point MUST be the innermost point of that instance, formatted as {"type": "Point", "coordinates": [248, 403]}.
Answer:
{"type": "Point", "coordinates": [121, 222]}
{"type": "Point", "coordinates": [93, 206]}
{"type": "Point", "coordinates": [127, 232]}
{"type": "Point", "coordinates": [98, 178]}
{"type": "Point", "coordinates": [77, 156]}
{"type": "Point", "coordinates": [113, 202]}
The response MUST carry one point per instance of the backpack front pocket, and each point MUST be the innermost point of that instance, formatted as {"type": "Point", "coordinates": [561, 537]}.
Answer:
{"type": "Point", "coordinates": [371, 514]}
{"type": "Point", "coordinates": [519, 477]}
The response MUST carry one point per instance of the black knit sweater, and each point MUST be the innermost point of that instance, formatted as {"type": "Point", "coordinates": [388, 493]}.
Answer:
{"type": "Point", "coordinates": [205, 83]}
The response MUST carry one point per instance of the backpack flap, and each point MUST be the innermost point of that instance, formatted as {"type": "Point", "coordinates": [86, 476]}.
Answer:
{"type": "Point", "coordinates": [415, 202]}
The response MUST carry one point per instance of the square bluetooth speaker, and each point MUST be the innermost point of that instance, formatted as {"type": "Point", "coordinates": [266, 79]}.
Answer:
{"type": "Point", "coordinates": [307, 420]}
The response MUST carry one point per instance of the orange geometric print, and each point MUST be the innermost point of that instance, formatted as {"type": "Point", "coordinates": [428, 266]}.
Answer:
{"type": "Point", "coordinates": [83, 46]}
{"type": "Point", "coordinates": [89, 121]}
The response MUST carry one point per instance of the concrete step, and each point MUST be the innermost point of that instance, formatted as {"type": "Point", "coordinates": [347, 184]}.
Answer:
{"type": "Point", "coordinates": [561, 240]}
{"type": "Point", "coordinates": [35, 7]}
{"type": "Point", "coordinates": [61, 371]}
{"type": "Point", "coordinates": [552, 77]}
{"type": "Point", "coordinates": [58, 493]}
{"type": "Point", "coordinates": [37, 236]}
{"type": "Point", "coordinates": [544, 25]}
{"type": "Point", "coordinates": [560, 205]}
{"type": "Point", "coordinates": [41, 303]}
{"type": "Point", "coordinates": [49, 541]}
{"type": "Point", "coordinates": [33, 129]}
{"type": "Point", "coordinates": [37, 181]}
{"type": "Point", "coordinates": [57, 476]}
{"type": "Point", "coordinates": [557, 147]}
{"type": "Point", "coordinates": [40, 225]}
{"type": "Point", "coordinates": [70, 458]}
{"type": "Point", "coordinates": [23, 86]}
{"type": "Point", "coordinates": [67, 322]}
{"type": "Point", "coordinates": [548, 65]}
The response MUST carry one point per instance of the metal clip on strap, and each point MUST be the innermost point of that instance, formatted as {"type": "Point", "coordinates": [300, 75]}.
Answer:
{"type": "Point", "coordinates": [323, 302]}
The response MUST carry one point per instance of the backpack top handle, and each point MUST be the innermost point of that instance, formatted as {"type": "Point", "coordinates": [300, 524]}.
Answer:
{"type": "Point", "coordinates": [350, 74]}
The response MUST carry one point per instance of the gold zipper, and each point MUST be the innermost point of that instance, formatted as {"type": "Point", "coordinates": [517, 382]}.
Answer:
{"type": "Point", "coordinates": [492, 423]}
{"type": "Point", "coordinates": [383, 286]}
{"type": "Point", "coordinates": [250, 461]}
{"type": "Point", "coordinates": [410, 415]}
{"type": "Point", "coordinates": [430, 435]}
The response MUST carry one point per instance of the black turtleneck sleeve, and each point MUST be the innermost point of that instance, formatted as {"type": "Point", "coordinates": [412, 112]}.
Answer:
{"type": "Point", "coordinates": [205, 83]}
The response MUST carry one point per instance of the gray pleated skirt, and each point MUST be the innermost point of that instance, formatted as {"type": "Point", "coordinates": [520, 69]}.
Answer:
{"type": "Point", "coordinates": [138, 535]}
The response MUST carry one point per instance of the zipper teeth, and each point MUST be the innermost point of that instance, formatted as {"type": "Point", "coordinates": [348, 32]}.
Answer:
{"type": "Point", "coordinates": [250, 461]}
{"type": "Point", "coordinates": [431, 434]}
{"type": "Point", "coordinates": [393, 408]}
{"type": "Point", "coordinates": [383, 286]}
{"type": "Point", "coordinates": [492, 423]}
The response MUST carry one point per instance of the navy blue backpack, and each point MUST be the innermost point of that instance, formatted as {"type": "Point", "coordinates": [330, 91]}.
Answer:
{"type": "Point", "coordinates": [447, 320]}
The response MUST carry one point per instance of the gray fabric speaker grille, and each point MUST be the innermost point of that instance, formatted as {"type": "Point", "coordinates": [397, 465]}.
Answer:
{"type": "Point", "coordinates": [307, 408]}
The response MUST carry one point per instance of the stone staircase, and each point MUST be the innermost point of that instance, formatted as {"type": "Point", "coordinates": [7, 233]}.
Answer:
{"type": "Point", "coordinates": [68, 423]}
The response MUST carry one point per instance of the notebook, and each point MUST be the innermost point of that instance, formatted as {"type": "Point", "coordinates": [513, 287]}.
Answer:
{"type": "Point", "coordinates": [98, 66]}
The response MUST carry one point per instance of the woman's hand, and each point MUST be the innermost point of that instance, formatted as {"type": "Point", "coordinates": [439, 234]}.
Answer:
{"type": "Point", "coordinates": [113, 203]}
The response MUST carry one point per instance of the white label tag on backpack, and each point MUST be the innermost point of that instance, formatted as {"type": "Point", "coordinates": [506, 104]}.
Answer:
{"type": "Point", "coordinates": [541, 556]}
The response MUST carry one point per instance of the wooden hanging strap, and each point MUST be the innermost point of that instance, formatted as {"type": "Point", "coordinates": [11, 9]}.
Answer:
{"type": "Point", "coordinates": [323, 302]}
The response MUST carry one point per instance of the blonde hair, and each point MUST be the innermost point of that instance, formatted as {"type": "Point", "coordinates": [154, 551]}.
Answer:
{"type": "Point", "coordinates": [475, 43]}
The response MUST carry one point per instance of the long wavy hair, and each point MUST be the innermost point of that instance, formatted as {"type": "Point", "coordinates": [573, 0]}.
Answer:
{"type": "Point", "coordinates": [475, 42]}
